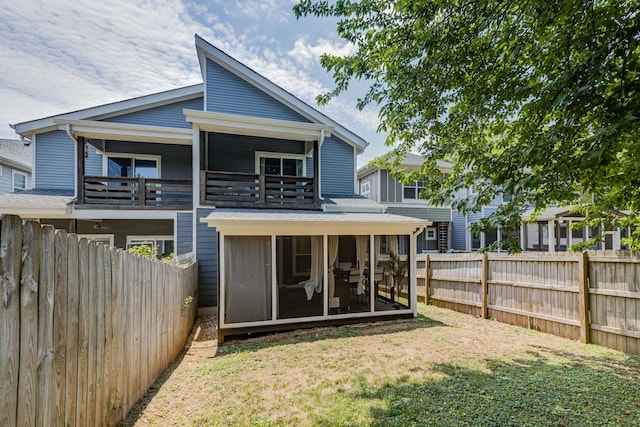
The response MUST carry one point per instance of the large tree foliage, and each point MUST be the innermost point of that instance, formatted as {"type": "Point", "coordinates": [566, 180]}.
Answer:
{"type": "Point", "coordinates": [538, 99]}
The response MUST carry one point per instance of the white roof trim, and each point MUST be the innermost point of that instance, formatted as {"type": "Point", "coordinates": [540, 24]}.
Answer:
{"type": "Point", "coordinates": [256, 126]}
{"type": "Point", "coordinates": [127, 132]}
{"type": "Point", "coordinates": [207, 50]}
{"type": "Point", "coordinates": [289, 224]}
{"type": "Point", "coordinates": [28, 129]}
{"type": "Point", "coordinates": [29, 210]}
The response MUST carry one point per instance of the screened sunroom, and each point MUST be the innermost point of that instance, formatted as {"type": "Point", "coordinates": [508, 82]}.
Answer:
{"type": "Point", "coordinates": [289, 269]}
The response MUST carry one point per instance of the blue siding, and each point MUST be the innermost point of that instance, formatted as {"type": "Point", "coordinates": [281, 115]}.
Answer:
{"type": "Point", "coordinates": [337, 166]}
{"type": "Point", "coordinates": [228, 93]}
{"type": "Point", "coordinates": [236, 153]}
{"type": "Point", "coordinates": [93, 163]}
{"type": "Point", "coordinates": [55, 161]}
{"type": "Point", "coordinates": [167, 115]}
{"type": "Point", "coordinates": [458, 232]}
{"type": "Point", "coordinates": [184, 238]}
{"type": "Point", "coordinates": [175, 162]}
{"type": "Point", "coordinates": [207, 253]}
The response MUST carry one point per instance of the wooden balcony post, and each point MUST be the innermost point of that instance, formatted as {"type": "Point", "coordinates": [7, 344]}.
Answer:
{"type": "Point", "coordinates": [262, 188]}
{"type": "Point", "coordinates": [142, 192]}
{"type": "Point", "coordinates": [80, 169]}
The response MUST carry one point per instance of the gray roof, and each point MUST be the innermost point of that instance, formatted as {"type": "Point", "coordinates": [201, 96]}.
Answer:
{"type": "Point", "coordinates": [16, 154]}
{"type": "Point", "coordinates": [38, 197]}
{"type": "Point", "coordinates": [347, 202]}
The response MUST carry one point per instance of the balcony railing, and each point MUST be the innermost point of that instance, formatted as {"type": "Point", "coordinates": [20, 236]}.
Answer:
{"type": "Point", "coordinates": [229, 189]}
{"type": "Point", "coordinates": [135, 193]}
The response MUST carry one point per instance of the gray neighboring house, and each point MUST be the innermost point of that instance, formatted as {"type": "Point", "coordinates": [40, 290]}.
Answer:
{"type": "Point", "coordinates": [15, 166]}
{"type": "Point", "coordinates": [404, 199]}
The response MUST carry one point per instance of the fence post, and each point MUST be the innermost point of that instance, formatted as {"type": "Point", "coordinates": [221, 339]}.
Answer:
{"type": "Point", "coordinates": [427, 276]}
{"type": "Point", "coordinates": [485, 285]}
{"type": "Point", "coordinates": [583, 297]}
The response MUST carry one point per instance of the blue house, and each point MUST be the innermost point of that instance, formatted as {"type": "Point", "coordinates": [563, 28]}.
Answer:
{"type": "Point", "coordinates": [257, 185]}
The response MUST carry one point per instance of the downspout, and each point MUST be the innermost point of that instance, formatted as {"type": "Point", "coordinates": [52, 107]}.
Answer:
{"type": "Point", "coordinates": [320, 142]}
{"type": "Point", "coordinates": [67, 129]}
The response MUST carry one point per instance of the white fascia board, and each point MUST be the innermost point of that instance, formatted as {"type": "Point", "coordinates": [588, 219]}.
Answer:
{"type": "Point", "coordinates": [125, 214]}
{"type": "Point", "coordinates": [307, 228]}
{"type": "Point", "coordinates": [354, 209]}
{"type": "Point", "coordinates": [15, 165]}
{"type": "Point", "coordinates": [46, 124]}
{"type": "Point", "coordinates": [207, 50]}
{"type": "Point", "coordinates": [127, 132]}
{"type": "Point", "coordinates": [256, 126]}
{"type": "Point", "coordinates": [36, 211]}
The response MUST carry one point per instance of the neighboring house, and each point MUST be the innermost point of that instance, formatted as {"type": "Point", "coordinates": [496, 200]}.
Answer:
{"type": "Point", "coordinates": [15, 166]}
{"type": "Point", "coordinates": [257, 184]}
{"type": "Point", "coordinates": [551, 231]}
{"type": "Point", "coordinates": [404, 199]}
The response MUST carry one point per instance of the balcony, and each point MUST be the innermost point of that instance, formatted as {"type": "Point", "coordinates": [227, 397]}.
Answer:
{"type": "Point", "coordinates": [105, 192]}
{"type": "Point", "coordinates": [243, 190]}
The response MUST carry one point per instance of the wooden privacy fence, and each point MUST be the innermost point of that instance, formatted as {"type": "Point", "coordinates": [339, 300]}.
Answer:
{"type": "Point", "coordinates": [592, 296]}
{"type": "Point", "coordinates": [85, 329]}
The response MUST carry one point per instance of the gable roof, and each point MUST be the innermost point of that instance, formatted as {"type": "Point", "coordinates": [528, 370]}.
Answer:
{"type": "Point", "coordinates": [15, 154]}
{"type": "Point", "coordinates": [411, 160]}
{"type": "Point", "coordinates": [207, 50]}
{"type": "Point", "coordinates": [46, 124]}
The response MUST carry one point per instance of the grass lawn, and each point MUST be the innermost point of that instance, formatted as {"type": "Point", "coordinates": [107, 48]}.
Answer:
{"type": "Point", "coordinates": [443, 368]}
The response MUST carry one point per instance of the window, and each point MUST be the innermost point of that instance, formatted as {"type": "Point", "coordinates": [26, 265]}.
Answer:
{"type": "Point", "coordinates": [301, 255]}
{"type": "Point", "coordinates": [100, 238]}
{"type": "Point", "coordinates": [430, 233]}
{"type": "Point", "coordinates": [132, 166]}
{"type": "Point", "coordinates": [412, 191]}
{"type": "Point", "coordinates": [365, 188]}
{"type": "Point", "coordinates": [284, 164]}
{"type": "Point", "coordinates": [19, 181]}
{"type": "Point", "coordinates": [164, 244]}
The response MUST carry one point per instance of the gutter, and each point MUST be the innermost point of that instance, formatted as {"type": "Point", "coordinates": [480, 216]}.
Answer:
{"type": "Point", "coordinates": [320, 142]}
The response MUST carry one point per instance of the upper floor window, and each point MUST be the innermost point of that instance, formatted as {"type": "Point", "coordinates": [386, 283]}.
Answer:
{"type": "Point", "coordinates": [365, 188]}
{"type": "Point", "coordinates": [280, 164]}
{"type": "Point", "coordinates": [19, 181]}
{"type": "Point", "coordinates": [412, 191]}
{"type": "Point", "coordinates": [132, 166]}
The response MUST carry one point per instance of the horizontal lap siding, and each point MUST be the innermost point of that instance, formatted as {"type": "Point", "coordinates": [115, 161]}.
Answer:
{"type": "Point", "coordinates": [228, 93]}
{"type": "Point", "coordinates": [55, 161]}
{"type": "Point", "coordinates": [5, 179]}
{"type": "Point", "coordinates": [167, 115]}
{"type": "Point", "coordinates": [458, 231]}
{"type": "Point", "coordinates": [237, 153]}
{"type": "Point", "coordinates": [184, 238]}
{"type": "Point", "coordinates": [337, 167]}
{"type": "Point", "coordinates": [207, 254]}
{"type": "Point", "coordinates": [428, 213]}
{"type": "Point", "coordinates": [93, 163]}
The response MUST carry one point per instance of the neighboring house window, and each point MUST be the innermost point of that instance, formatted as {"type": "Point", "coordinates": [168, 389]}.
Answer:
{"type": "Point", "coordinates": [132, 166]}
{"type": "Point", "coordinates": [100, 238]}
{"type": "Point", "coordinates": [384, 245]}
{"type": "Point", "coordinates": [475, 241]}
{"type": "Point", "coordinates": [365, 188]}
{"type": "Point", "coordinates": [164, 244]}
{"type": "Point", "coordinates": [284, 164]}
{"type": "Point", "coordinates": [301, 255]}
{"type": "Point", "coordinates": [412, 191]}
{"type": "Point", "coordinates": [430, 233]}
{"type": "Point", "coordinates": [19, 181]}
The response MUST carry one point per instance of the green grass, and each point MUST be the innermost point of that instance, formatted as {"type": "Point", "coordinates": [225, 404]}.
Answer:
{"type": "Point", "coordinates": [441, 369]}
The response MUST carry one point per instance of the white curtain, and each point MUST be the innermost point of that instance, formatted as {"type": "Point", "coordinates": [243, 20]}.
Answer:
{"type": "Point", "coordinates": [393, 244]}
{"type": "Point", "coordinates": [247, 278]}
{"type": "Point", "coordinates": [333, 257]}
{"type": "Point", "coordinates": [376, 246]}
{"type": "Point", "coordinates": [317, 268]}
{"type": "Point", "coordinates": [362, 243]}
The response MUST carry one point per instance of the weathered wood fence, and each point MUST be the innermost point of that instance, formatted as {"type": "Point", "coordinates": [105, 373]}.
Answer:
{"type": "Point", "coordinates": [85, 329]}
{"type": "Point", "coordinates": [592, 296]}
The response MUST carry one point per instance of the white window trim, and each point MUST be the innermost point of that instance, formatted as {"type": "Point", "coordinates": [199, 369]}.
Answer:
{"type": "Point", "coordinates": [149, 238]}
{"type": "Point", "coordinates": [273, 155]}
{"type": "Point", "coordinates": [435, 233]}
{"type": "Point", "coordinates": [365, 188]}
{"type": "Point", "coordinates": [417, 199]}
{"type": "Point", "coordinates": [107, 155]}
{"type": "Point", "coordinates": [295, 255]}
{"type": "Point", "coordinates": [98, 236]}
{"type": "Point", "coordinates": [13, 180]}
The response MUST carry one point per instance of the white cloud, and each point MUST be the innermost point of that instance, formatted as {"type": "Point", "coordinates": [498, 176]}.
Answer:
{"type": "Point", "coordinates": [307, 54]}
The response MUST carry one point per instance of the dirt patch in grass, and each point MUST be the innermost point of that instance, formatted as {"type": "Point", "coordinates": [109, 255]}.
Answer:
{"type": "Point", "coordinates": [442, 368]}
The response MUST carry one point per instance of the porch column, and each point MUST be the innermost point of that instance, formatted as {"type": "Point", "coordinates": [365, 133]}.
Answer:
{"type": "Point", "coordinates": [551, 230]}
{"type": "Point", "coordinates": [616, 239]}
{"type": "Point", "coordinates": [569, 235]}
{"type": "Point", "coordinates": [80, 169]}
{"type": "Point", "coordinates": [523, 235]}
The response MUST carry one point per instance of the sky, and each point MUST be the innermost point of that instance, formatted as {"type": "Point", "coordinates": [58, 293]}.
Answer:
{"type": "Point", "coordinates": [59, 56]}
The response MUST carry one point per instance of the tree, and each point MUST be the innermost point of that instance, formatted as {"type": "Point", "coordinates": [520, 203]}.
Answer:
{"type": "Point", "coordinates": [536, 99]}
